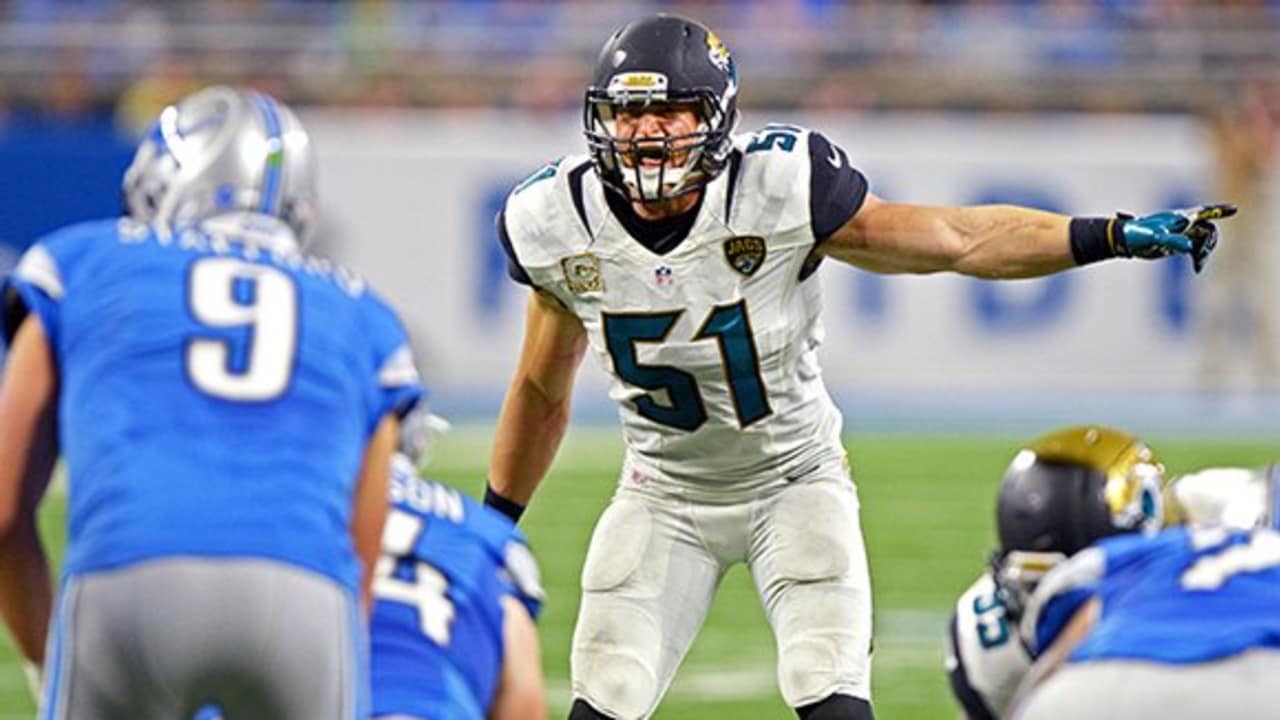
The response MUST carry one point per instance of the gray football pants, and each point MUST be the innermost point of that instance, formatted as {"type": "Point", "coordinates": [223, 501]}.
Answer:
{"type": "Point", "coordinates": [1242, 687]}
{"type": "Point", "coordinates": [162, 639]}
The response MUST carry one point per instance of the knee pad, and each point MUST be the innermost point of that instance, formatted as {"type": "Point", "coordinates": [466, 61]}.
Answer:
{"type": "Point", "coordinates": [582, 710]}
{"type": "Point", "coordinates": [616, 647]}
{"type": "Point", "coordinates": [823, 633]}
{"type": "Point", "coordinates": [837, 707]}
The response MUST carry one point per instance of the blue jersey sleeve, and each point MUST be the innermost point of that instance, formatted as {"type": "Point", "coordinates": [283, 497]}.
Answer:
{"type": "Point", "coordinates": [1059, 595]}
{"type": "Point", "coordinates": [38, 284]}
{"type": "Point", "coordinates": [520, 575]}
{"type": "Point", "coordinates": [1057, 612]}
{"type": "Point", "coordinates": [399, 387]}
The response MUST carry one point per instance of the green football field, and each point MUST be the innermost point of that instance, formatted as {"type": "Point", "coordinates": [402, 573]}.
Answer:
{"type": "Point", "coordinates": [927, 512]}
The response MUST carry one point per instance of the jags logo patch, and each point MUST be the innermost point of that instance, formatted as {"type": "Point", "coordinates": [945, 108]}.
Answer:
{"type": "Point", "coordinates": [745, 253]}
{"type": "Point", "coordinates": [582, 273]}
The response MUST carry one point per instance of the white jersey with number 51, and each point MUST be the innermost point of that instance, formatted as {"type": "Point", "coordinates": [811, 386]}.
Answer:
{"type": "Point", "coordinates": [710, 334]}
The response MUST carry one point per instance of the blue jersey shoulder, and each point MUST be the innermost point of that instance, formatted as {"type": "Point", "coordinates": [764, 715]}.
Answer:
{"type": "Point", "coordinates": [1187, 594]}
{"type": "Point", "coordinates": [38, 282]}
{"type": "Point", "coordinates": [96, 230]}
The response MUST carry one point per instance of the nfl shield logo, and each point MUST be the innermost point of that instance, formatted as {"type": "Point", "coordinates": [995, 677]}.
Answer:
{"type": "Point", "coordinates": [745, 253]}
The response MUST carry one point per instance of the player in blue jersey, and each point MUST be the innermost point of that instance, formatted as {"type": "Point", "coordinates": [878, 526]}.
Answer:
{"type": "Point", "coordinates": [1060, 495]}
{"type": "Point", "coordinates": [456, 593]}
{"type": "Point", "coordinates": [226, 407]}
{"type": "Point", "coordinates": [1185, 624]}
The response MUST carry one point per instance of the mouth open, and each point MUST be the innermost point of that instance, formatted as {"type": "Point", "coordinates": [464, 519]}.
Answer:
{"type": "Point", "coordinates": [651, 156]}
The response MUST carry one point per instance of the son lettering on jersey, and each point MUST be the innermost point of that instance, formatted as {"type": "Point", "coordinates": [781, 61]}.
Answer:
{"type": "Point", "coordinates": [428, 498]}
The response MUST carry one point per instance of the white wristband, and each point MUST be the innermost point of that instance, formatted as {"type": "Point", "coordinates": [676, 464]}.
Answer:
{"type": "Point", "coordinates": [32, 671]}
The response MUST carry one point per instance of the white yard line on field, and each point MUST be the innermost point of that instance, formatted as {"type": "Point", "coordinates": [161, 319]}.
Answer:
{"type": "Point", "coordinates": [744, 683]}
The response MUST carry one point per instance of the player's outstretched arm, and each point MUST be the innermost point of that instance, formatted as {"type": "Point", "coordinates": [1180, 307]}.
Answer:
{"type": "Point", "coordinates": [521, 694]}
{"type": "Point", "coordinates": [536, 410]}
{"type": "Point", "coordinates": [28, 451]}
{"type": "Point", "coordinates": [1008, 241]}
{"type": "Point", "coordinates": [369, 513]}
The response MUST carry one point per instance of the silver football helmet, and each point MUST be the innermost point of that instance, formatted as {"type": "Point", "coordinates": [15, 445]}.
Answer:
{"type": "Point", "coordinates": [219, 150]}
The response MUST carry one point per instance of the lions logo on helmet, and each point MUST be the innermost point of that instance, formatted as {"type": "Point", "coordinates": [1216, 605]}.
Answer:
{"type": "Point", "coordinates": [1066, 491]}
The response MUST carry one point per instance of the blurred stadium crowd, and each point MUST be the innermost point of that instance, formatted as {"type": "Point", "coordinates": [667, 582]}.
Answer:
{"type": "Point", "coordinates": [124, 58]}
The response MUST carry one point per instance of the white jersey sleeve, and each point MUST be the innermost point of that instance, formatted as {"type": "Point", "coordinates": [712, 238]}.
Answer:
{"type": "Point", "coordinates": [985, 659]}
{"type": "Point", "coordinates": [1236, 497]}
{"type": "Point", "coordinates": [711, 342]}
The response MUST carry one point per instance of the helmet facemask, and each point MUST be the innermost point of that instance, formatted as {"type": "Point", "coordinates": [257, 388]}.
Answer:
{"type": "Point", "coordinates": [656, 169]}
{"type": "Point", "coordinates": [659, 62]}
{"type": "Point", "coordinates": [1017, 573]}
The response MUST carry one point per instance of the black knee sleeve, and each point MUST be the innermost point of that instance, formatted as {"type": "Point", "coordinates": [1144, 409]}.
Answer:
{"type": "Point", "coordinates": [581, 710]}
{"type": "Point", "coordinates": [836, 707]}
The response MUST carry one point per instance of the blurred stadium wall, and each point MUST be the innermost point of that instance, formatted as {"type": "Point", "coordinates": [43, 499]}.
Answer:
{"type": "Point", "coordinates": [425, 114]}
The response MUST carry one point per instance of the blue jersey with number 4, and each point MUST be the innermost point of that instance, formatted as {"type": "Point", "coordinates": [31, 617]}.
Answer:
{"type": "Point", "coordinates": [437, 620]}
{"type": "Point", "coordinates": [218, 388]}
{"type": "Point", "coordinates": [1187, 595]}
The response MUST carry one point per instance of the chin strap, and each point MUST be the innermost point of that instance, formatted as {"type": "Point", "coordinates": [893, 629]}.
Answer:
{"type": "Point", "coordinates": [32, 671]}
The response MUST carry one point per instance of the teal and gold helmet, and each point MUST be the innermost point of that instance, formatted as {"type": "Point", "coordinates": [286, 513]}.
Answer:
{"type": "Point", "coordinates": [1064, 492]}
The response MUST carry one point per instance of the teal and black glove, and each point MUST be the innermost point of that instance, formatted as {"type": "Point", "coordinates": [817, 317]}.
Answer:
{"type": "Point", "coordinates": [1171, 232]}
{"type": "Point", "coordinates": [1190, 231]}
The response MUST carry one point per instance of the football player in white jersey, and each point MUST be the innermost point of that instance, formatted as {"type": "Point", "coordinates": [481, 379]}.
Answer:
{"type": "Point", "coordinates": [1061, 494]}
{"type": "Point", "coordinates": [683, 255]}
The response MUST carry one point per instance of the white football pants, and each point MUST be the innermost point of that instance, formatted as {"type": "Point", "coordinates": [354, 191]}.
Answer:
{"type": "Point", "coordinates": [653, 567]}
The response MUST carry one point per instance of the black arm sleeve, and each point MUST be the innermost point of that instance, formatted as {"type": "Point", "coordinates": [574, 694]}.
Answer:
{"type": "Point", "coordinates": [836, 188]}
{"type": "Point", "coordinates": [514, 269]}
